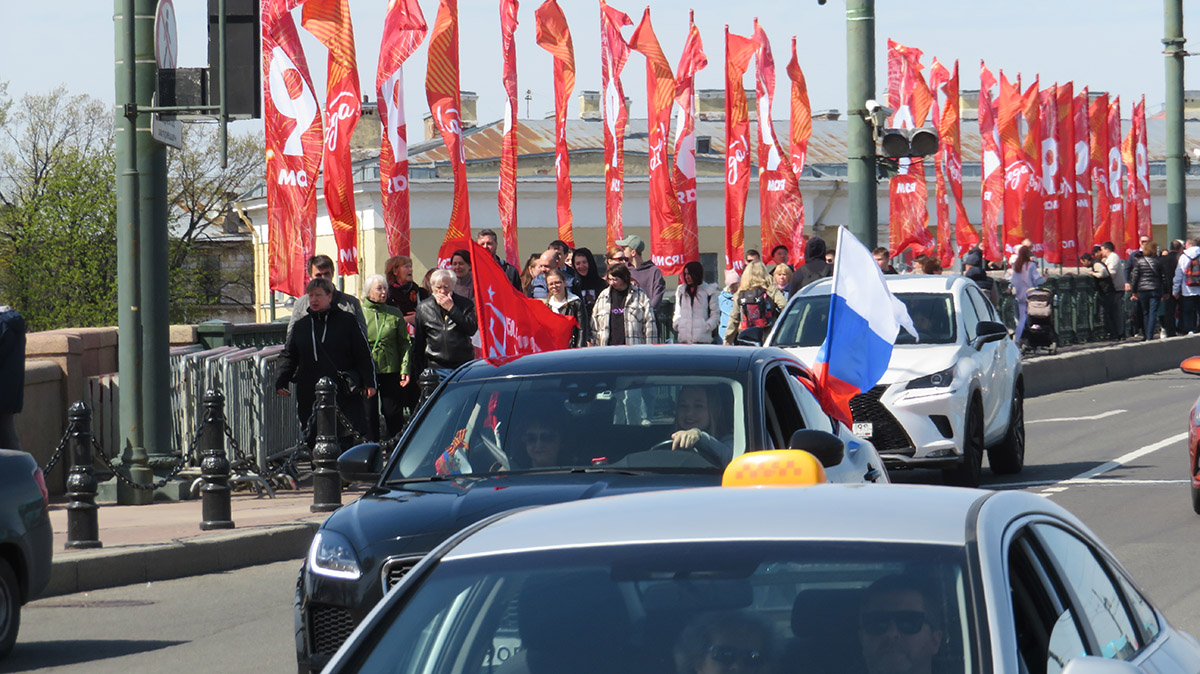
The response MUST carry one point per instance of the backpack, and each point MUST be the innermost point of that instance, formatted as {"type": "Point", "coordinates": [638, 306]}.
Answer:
{"type": "Point", "coordinates": [1191, 275]}
{"type": "Point", "coordinates": [758, 310]}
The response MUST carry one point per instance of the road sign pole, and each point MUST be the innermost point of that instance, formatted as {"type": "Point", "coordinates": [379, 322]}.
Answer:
{"type": "Point", "coordinates": [860, 141]}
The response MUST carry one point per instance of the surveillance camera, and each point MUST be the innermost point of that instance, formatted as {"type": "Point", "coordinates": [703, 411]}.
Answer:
{"type": "Point", "coordinates": [873, 105]}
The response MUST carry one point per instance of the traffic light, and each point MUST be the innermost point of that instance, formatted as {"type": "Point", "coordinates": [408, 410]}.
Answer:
{"type": "Point", "coordinates": [912, 143]}
{"type": "Point", "coordinates": [243, 62]}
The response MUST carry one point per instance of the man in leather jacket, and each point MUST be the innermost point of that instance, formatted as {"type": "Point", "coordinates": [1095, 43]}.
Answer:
{"type": "Point", "coordinates": [444, 325]}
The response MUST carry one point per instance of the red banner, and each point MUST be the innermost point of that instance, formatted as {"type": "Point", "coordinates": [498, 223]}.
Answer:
{"type": "Point", "coordinates": [441, 90]}
{"type": "Point", "coordinates": [683, 174]}
{"type": "Point", "coordinates": [1098, 153]}
{"type": "Point", "coordinates": [781, 212]}
{"type": "Point", "coordinates": [938, 77]}
{"type": "Point", "coordinates": [1082, 171]}
{"type": "Point", "coordinates": [800, 130]}
{"type": "Point", "coordinates": [666, 220]}
{"type": "Point", "coordinates": [329, 22]}
{"type": "Point", "coordinates": [1066, 174]}
{"type": "Point", "coordinates": [554, 36]}
{"type": "Point", "coordinates": [993, 168]}
{"type": "Point", "coordinates": [1139, 172]}
{"type": "Point", "coordinates": [910, 99]}
{"type": "Point", "coordinates": [1020, 180]}
{"type": "Point", "coordinates": [506, 197]}
{"type": "Point", "coordinates": [292, 121]}
{"type": "Point", "coordinates": [1048, 114]}
{"type": "Point", "coordinates": [1031, 203]}
{"type": "Point", "coordinates": [950, 160]}
{"type": "Point", "coordinates": [1116, 203]}
{"type": "Point", "coordinates": [738, 51]}
{"type": "Point", "coordinates": [403, 30]}
{"type": "Point", "coordinates": [614, 53]}
{"type": "Point", "coordinates": [511, 324]}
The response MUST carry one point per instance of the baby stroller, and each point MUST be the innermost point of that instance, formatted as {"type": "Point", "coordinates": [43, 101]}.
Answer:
{"type": "Point", "coordinates": [1039, 320]}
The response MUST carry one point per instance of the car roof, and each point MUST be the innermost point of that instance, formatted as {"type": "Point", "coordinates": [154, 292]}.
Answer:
{"type": "Point", "coordinates": [648, 358]}
{"type": "Point", "coordinates": [901, 283]}
{"type": "Point", "coordinates": [896, 513]}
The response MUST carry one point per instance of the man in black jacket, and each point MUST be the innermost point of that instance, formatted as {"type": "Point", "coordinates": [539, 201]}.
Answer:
{"type": "Point", "coordinates": [321, 266]}
{"type": "Point", "coordinates": [327, 342]}
{"type": "Point", "coordinates": [815, 267]}
{"type": "Point", "coordinates": [443, 328]}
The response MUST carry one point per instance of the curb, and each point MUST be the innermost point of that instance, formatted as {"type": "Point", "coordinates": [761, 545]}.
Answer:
{"type": "Point", "coordinates": [129, 565]}
{"type": "Point", "coordinates": [1053, 374]}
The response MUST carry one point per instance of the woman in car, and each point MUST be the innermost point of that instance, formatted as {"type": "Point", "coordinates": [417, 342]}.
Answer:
{"type": "Point", "coordinates": [697, 423]}
{"type": "Point", "coordinates": [726, 641]}
{"type": "Point", "coordinates": [540, 443]}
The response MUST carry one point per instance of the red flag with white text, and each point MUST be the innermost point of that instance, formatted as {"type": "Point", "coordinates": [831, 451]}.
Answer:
{"type": "Point", "coordinates": [781, 212]}
{"type": "Point", "coordinates": [738, 51]}
{"type": "Point", "coordinates": [1020, 178]}
{"type": "Point", "coordinates": [1066, 174]}
{"type": "Point", "coordinates": [666, 219]}
{"type": "Point", "coordinates": [684, 170]}
{"type": "Point", "coordinates": [1082, 172]}
{"type": "Point", "coordinates": [949, 127]}
{"type": "Point", "coordinates": [506, 197]}
{"type": "Point", "coordinates": [799, 131]}
{"type": "Point", "coordinates": [441, 90]}
{"type": "Point", "coordinates": [614, 53]}
{"type": "Point", "coordinates": [403, 31]}
{"type": "Point", "coordinates": [511, 324]}
{"type": "Point", "coordinates": [910, 99]}
{"type": "Point", "coordinates": [1139, 182]}
{"type": "Point", "coordinates": [1048, 116]}
{"type": "Point", "coordinates": [1098, 153]}
{"type": "Point", "coordinates": [292, 122]}
{"type": "Point", "coordinates": [1031, 202]}
{"type": "Point", "coordinates": [992, 168]}
{"type": "Point", "coordinates": [1116, 201]}
{"type": "Point", "coordinates": [938, 77]}
{"type": "Point", "coordinates": [554, 36]}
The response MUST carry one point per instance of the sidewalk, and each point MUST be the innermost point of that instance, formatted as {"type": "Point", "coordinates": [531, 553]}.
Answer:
{"type": "Point", "coordinates": [163, 540]}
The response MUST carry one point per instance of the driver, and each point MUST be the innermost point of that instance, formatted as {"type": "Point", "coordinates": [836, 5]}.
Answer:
{"type": "Point", "coordinates": [696, 412]}
{"type": "Point", "coordinates": [541, 442]}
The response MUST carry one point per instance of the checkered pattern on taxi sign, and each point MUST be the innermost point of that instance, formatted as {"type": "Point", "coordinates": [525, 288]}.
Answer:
{"type": "Point", "coordinates": [781, 467]}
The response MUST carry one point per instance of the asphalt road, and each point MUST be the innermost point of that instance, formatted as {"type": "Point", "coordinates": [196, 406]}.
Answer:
{"type": "Point", "coordinates": [1113, 454]}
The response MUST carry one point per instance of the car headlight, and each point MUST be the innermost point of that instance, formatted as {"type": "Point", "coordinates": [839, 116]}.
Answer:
{"type": "Point", "coordinates": [941, 379]}
{"type": "Point", "coordinates": [332, 555]}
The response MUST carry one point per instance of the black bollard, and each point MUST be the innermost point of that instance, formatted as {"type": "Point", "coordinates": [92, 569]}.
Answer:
{"type": "Point", "coordinates": [327, 482]}
{"type": "Point", "coordinates": [83, 525]}
{"type": "Point", "coordinates": [215, 507]}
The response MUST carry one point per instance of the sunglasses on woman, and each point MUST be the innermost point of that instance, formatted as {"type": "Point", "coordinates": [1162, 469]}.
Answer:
{"type": "Point", "coordinates": [876, 623]}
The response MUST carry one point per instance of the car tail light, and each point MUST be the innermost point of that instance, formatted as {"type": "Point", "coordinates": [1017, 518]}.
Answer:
{"type": "Point", "coordinates": [40, 478]}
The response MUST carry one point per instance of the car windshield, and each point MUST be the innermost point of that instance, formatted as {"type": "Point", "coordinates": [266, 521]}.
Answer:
{"type": "Point", "coordinates": [805, 321]}
{"type": "Point", "coordinates": [784, 606]}
{"type": "Point", "coordinates": [577, 420]}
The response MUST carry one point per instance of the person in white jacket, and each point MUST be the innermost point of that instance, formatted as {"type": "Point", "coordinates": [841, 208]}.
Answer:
{"type": "Point", "coordinates": [697, 311]}
{"type": "Point", "coordinates": [1185, 289]}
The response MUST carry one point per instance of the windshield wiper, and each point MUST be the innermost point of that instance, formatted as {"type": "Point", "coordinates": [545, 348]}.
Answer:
{"type": "Point", "coordinates": [436, 478]}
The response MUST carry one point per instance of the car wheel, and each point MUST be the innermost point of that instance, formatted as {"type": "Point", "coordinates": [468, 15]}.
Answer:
{"type": "Point", "coordinates": [966, 473]}
{"type": "Point", "coordinates": [10, 608]}
{"type": "Point", "coordinates": [1008, 457]}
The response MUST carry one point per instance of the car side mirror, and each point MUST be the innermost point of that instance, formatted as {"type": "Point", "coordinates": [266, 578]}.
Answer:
{"type": "Point", "coordinates": [827, 447]}
{"type": "Point", "coordinates": [752, 336]}
{"type": "Point", "coordinates": [1191, 365]}
{"type": "Point", "coordinates": [361, 463]}
{"type": "Point", "coordinates": [987, 332]}
{"type": "Point", "coordinates": [1090, 664]}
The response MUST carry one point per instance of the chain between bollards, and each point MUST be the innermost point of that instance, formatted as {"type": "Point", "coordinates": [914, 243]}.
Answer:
{"type": "Point", "coordinates": [215, 507]}
{"type": "Point", "coordinates": [327, 483]}
{"type": "Point", "coordinates": [83, 522]}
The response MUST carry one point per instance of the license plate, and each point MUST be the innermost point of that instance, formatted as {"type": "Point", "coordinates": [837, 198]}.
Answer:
{"type": "Point", "coordinates": [863, 429]}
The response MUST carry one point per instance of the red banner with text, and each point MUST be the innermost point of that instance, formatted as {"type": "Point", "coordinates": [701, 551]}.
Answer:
{"type": "Point", "coordinates": [614, 53]}
{"type": "Point", "coordinates": [1098, 153]}
{"type": "Point", "coordinates": [506, 197]}
{"type": "Point", "coordinates": [403, 31]}
{"type": "Point", "coordinates": [441, 90]}
{"type": "Point", "coordinates": [1116, 201]}
{"type": "Point", "coordinates": [799, 132]}
{"type": "Point", "coordinates": [781, 212]}
{"type": "Point", "coordinates": [1066, 174]}
{"type": "Point", "coordinates": [738, 51]}
{"type": "Point", "coordinates": [993, 167]}
{"type": "Point", "coordinates": [910, 99]}
{"type": "Point", "coordinates": [554, 36]}
{"type": "Point", "coordinates": [1083, 173]}
{"type": "Point", "coordinates": [1048, 116]}
{"type": "Point", "coordinates": [683, 173]}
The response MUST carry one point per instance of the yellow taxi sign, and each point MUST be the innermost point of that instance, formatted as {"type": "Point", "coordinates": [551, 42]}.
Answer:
{"type": "Point", "coordinates": [774, 468]}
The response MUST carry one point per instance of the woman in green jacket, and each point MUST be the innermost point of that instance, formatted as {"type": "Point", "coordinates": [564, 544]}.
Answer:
{"type": "Point", "coordinates": [387, 335]}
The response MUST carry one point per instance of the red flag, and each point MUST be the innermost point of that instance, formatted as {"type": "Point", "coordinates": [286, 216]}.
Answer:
{"type": "Point", "coordinates": [910, 98]}
{"type": "Point", "coordinates": [684, 172]}
{"type": "Point", "coordinates": [403, 30]}
{"type": "Point", "coordinates": [738, 51]}
{"type": "Point", "coordinates": [1031, 201]}
{"type": "Point", "coordinates": [511, 324]}
{"type": "Point", "coordinates": [800, 130]}
{"type": "Point", "coordinates": [1048, 114]}
{"type": "Point", "coordinates": [1116, 204]}
{"type": "Point", "coordinates": [1066, 174]}
{"type": "Point", "coordinates": [781, 211]}
{"type": "Point", "coordinates": [1139, 182]}
{"type": "Point", "coordinates": [950, 160]}
{"type": "Point", "coordinates": [292, 121]}
{"type": "Point", "coordinates": [329, 21]}
{"type": "Point", "coordinates": [614, 53]}
{"type": "Point", "coordinates": [1020, 180]}
{"type": "Point", "coordinates": [506, 197]}
{"type": "Point", "coordinates": [666, 220]}
{"type": "Point", "coordinates": [554, 36]}
{"type": "Point", "coordinates": [1082, 171]}
{"type": "Point", "coordinates": [1098, 153]}
{"type": "Point", "coordinates": [441, 90]}
{"type": "Point", "coordinates": [938, 76]}
{"type": "Point", "coordinates": [993, 168]}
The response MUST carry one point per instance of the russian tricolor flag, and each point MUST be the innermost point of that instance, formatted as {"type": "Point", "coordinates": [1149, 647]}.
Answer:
{"type": "Point", "coordinates": [864, 319]}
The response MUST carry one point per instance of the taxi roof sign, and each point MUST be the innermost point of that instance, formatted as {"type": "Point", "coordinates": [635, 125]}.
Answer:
{"type": "Point", "coordinates": [774, 468]}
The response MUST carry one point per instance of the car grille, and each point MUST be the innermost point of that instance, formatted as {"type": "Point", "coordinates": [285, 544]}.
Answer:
{"type": "Point", "coordinates": [329, 627]}
{"type": "Point", "coordinates": [395, 568]}
{"type": "Point", "coordinates": [887, 434]}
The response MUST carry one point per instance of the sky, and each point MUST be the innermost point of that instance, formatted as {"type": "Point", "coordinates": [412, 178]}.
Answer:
{"type": "Point", "coordinates": [1104, 44]}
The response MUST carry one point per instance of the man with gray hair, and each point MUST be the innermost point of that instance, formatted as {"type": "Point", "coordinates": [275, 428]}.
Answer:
{"type": "Point", "coordinates": [444, 325]}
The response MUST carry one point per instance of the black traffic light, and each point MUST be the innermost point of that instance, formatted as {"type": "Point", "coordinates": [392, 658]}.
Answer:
{"type": "Point", "coordinates": [243, 62]}
{"type": "Point", "coordinates": [900, 143]}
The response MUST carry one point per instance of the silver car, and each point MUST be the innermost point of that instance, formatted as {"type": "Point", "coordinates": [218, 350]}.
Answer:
{"type": "Point", "coordinates": [826, 578]}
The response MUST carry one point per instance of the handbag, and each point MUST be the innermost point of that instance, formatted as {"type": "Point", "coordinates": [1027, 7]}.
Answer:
{"type": "Point", "coordinates": [350, 382]}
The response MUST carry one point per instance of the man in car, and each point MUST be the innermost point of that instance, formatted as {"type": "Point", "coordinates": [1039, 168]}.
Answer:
{"type": "Point", "coordinates": [899, 626]}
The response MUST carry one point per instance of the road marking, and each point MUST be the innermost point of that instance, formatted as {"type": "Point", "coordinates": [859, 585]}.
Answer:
{"type": "Point", "coordinates": [1094, 417]}
{"type": "Point", "coordinates": [1093, 481]}
{"type": "Point", "coordinates": [1089, 476]}
{"type": "Point", "coordinates": [1131, 456]}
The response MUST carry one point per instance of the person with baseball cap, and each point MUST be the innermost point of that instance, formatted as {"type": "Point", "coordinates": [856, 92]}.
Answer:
{"type": "Point", "coordinates": [644, 272]}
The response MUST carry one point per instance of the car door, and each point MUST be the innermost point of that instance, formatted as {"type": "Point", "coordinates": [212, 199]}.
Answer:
{"type": "Point", "coordinates": [995, 379]}
{"type": "Point", "coordinates": [782, 415]}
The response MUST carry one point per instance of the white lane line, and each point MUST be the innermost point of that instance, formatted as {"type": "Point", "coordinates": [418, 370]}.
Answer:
{"type": "Point", "coordinates": [1094, 417]}
{"type": "Point", "coordinates": [1094, 481]}
{"type": "Point", "coordinates": [1131, 456]}
{"type": "Point", "coordinates": [1088, 476]}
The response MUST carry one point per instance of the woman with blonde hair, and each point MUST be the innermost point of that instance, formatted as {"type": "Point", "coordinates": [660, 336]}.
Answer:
{"type": "Point", "coordinates": [782, 274]}
{"type": "Point", "coordinates": [756, 304]}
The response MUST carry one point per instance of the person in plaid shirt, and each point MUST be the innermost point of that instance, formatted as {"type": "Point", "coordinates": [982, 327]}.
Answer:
{"type": "Point", "coordinates": [622, 313]}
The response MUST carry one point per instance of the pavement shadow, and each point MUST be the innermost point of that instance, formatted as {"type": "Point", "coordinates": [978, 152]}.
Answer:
{"type": "Point", "coordinates": [35, 655]}
{"type": "Point", "coordinates": [1047, 473]}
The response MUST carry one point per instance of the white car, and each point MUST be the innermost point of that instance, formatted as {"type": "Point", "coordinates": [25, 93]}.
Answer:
{"type": "Point", "coordinates": [947, 397]}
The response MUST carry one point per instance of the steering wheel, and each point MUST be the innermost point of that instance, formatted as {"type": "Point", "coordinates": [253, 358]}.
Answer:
{"type": "Point", "coordinates": [701, 450]}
